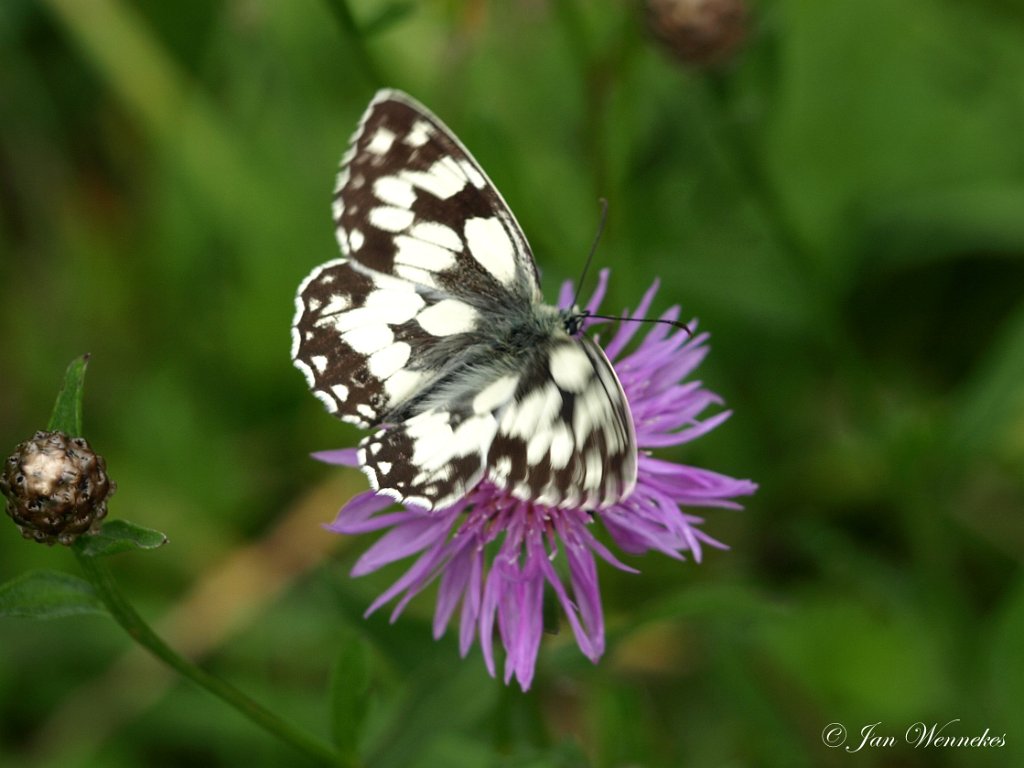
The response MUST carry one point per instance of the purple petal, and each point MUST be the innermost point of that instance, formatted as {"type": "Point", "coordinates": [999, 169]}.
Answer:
{"type": "Point", "coordinates": [357, 511]}
{"type": "Point", "coordinates": [373, 524]}
{"type": "Point", "coordinates": [585, 614]}
{"type": "Point", "coordinates": [685, 435]}
{"type": "Point", "coordinates": [520, 616]}
{"type": "Point", "coordinates": [586, 590]}
{"type": "Point", "coordinates": [628, 330]}
{"type": "Point", "coordinates": [413, 580]}
{"type": "Point", "coordinates": [347, 457]}
{"type": "Point", "coordinates": [488, 614]}
{"type": "Point", "coordinates": [694, 537]}
{"type": "Point", "coordinates": [453, 584]}
{"type": "Point", "coordinates": [699, 486]}
{"type": "Point", "coordinates": [604, 553]}
{"type": "Point", "coordinates": [565, 295]}
{"type": "Point", "coordinates": [414, 535]}
{"type": "Point", "coordinates": [598, 296]}
{"type": "Point", "coordinates": [471, 603]}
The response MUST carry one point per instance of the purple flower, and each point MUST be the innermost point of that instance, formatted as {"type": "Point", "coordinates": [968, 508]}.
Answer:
{"type": "Point", "coordinates": [495, 554]}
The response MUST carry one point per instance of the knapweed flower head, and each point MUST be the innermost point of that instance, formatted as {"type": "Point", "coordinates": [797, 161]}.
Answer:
{"type": "Point", "coordinates": [497, 556]}
{"type": "Point", "coordinates": [699, 33]}
{"type": "Point", "coordinates": [56, 487]}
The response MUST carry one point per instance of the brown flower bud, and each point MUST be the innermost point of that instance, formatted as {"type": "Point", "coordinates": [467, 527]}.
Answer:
{"type": "Point", "coordinates": [56, 487]}
{"type": "Point", "coordinates": [698, 32]}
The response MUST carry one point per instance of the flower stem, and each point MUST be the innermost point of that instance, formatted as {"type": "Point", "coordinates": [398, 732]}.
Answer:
{"type": "Point", "coordinates": [763, 193]}
{"type": "Point", "coordinates": [357, 42]}
{"type": "Point", "coordinates": [124, 614]}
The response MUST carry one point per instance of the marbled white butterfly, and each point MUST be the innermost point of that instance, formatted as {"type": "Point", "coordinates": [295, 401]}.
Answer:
{"type": "Point", "coordinates": [432, 331]}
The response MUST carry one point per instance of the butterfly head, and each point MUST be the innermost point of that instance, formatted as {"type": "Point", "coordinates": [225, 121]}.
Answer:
{"type": "Point", "coordinates": [573, 319]}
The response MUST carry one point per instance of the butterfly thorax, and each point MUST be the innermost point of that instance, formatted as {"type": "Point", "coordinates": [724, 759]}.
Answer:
{"type": "Point", "coordinates": [466, 364]}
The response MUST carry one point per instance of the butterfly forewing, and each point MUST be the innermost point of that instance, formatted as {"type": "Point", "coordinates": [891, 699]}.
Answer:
{"type": "Point", "coordinates": [431, 246]}
{"type": "Point", "coordinates": [431, 330]}
{"type": "Point", "coordinates": [413, 203]}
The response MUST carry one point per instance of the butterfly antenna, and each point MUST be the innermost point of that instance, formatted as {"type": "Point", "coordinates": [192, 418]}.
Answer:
{"type": "Point", "coordinates": [674, 323]}
{"type": "Point", "coordinates": [593, 248]}
{"type": "Point", "coordinates": [579, 285]}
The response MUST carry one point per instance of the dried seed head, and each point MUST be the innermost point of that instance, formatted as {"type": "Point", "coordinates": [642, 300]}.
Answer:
{"type": "Point", "coordinates": [698, 32]}
{"type": "Point", "coordinates": [56, 487]}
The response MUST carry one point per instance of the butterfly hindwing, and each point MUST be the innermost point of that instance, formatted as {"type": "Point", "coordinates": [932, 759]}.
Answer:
{"type": "Point", "coordinates": [367, 343]}
{"type": "Point", "coordinates": [433, 458]}
{"type": "Point", "coordinates": [566, 439]}
{"type": "Point", "coordinates": [556, 432]}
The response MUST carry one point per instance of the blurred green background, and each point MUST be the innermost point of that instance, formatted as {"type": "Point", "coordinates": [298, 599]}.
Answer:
{"type": "Point", "coordinates": [840, 202]}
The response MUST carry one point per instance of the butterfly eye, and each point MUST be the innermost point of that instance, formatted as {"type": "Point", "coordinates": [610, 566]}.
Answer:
{"type": "Point", "coordinates": [574, 321]}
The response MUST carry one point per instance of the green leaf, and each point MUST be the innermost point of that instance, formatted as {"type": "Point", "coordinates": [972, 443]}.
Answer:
{"type": "Point", "coordinates": [387, 17]}
{"type": "Point", "coordinates": [119, 536]}
{"type": "Point", "coordinates": [1005, 692]}
{"type": "Point", "coordinates": [910, 112]}
{"type": "Point", "coordinates": [708, 601]}
{"type": "Point", "coordinates": [991, 405]}
{"type": "Point", "coordinates": [867, 661]}
{"type": "Point", "coordinates": [47, 594]}
{"type": "Point", "coordinates": [67, 411]}
{"type": "Point", "coordinates": [350, 689]}
{"type": "Point", "coordinates": [438, 697]}
{"type": "Point", "coordinates": [914, 226]}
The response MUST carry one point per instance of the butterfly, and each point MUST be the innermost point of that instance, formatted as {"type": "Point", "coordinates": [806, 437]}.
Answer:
{"type": "Point", "coordinates": [432, 332]}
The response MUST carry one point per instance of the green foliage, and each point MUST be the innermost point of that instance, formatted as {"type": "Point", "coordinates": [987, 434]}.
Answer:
{"type": "Point", "coordinates": [48, 595]}
{"type": "Point", "coordinates": [842, 206]}
{"type": "Point", "coordinates": [119, 536]}
{"type": "Point", "coordinates": [67, 410]}
{"type": "Point", "coordinates": [350, 695]}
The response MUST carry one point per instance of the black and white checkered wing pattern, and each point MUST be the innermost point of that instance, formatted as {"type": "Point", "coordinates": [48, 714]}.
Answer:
{"type": "Point", "coordinates": [566, 438]}
{"type": "Point", "coordinates": [556, 431]}
{"type": "Point", "coordinates": [368, 343]}
{"type": "Point", "coordinates": [411, 202]}
{"type": "Point", "coordinates": [431, 331]}
{"type": "Point", "coordinates": [431, 249]}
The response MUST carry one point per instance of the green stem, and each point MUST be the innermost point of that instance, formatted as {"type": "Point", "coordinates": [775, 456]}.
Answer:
{"type": "Point", "coordinates": [347, 21]}
{"type": "Point", "coordinates": [593, 74]}
{"type": "Point", "coordinates": [125, 615]}
{"type": "Point", "coordinates": [749, 169]}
